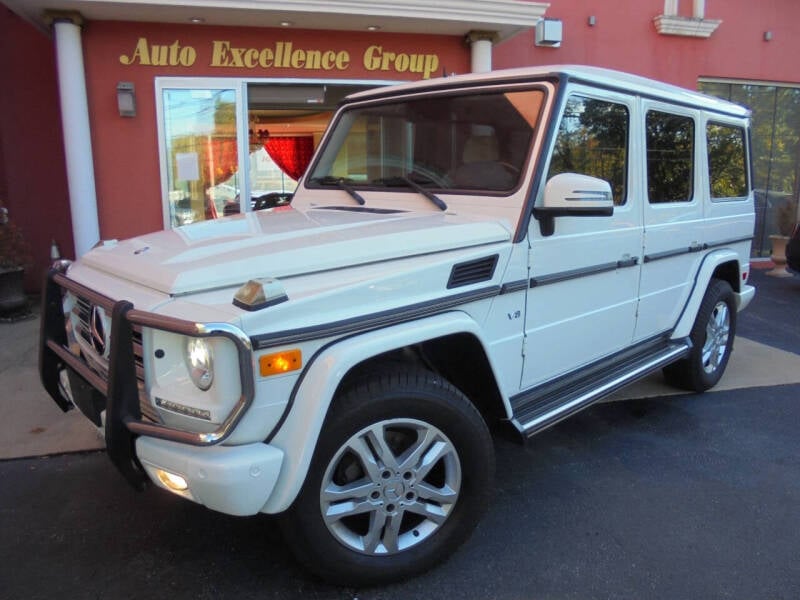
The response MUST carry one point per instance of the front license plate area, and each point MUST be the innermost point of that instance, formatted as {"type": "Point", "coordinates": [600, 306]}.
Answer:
{"type": "Point", "coordinates": [88, 400]}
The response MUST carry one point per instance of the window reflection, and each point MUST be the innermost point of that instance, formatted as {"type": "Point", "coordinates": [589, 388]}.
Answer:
{"type": "Point", "coordinates": [202, 153]}
{"type": "Point", "coordinates": [593, 140]}
{"type": "Point", "coordinates": [670, 157]}
{"type": "Point", "coordinates": [471, 142]}
{"type": "Point", "coordinates": [727, 169]}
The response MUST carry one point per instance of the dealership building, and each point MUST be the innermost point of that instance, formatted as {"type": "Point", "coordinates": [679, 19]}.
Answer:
{"type": "Point", "coordinates": [120, 117]}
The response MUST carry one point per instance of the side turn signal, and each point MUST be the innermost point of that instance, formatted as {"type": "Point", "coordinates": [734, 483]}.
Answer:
{"type": "Point", "coordinates": [280, 362]}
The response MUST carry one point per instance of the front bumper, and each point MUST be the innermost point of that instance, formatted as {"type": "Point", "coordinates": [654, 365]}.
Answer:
{"type": "Point", "coordinates": [118, 393]}
{"type": "Point", "coordinates": [236, 480]}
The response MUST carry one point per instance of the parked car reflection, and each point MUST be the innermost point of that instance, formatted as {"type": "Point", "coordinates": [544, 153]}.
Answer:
{"type": "Point", "coordinates": [268, 200]}
{"type": "Point", "coordinates": [793, 250]}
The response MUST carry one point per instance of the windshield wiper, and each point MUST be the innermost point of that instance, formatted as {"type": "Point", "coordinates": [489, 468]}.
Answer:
{"type": "Point", "coordinates": [342, 184]}
{"type": "Point", "coordinates": [440, 204]}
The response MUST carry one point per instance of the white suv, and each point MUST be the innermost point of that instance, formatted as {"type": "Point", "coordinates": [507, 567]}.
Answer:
{"type": "Point", "coordinates": [505, 248]}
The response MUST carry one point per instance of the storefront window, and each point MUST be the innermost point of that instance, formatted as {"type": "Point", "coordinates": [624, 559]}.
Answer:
{"type": "Point", "coordinates": [230, 146]}
{"type": "Point", "coordinates": [775, 149]}
{"type": "Point", "coordinates": [202, 157]}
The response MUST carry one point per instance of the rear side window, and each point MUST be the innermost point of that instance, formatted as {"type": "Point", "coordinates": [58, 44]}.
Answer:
{"type": "Point", "coordinates": [727, 167]}
{"type": "Point", "coordinates": [593, 140]}
{"type": "Point", "coordinates": [670, 157]}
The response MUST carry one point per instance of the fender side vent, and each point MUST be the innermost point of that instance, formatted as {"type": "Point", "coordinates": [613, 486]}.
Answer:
{"type": "Point", "coordinates": [473, 271]}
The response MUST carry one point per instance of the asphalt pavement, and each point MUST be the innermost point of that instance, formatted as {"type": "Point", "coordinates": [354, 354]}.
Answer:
{"type": "Point", "coordinates": [651, 496]}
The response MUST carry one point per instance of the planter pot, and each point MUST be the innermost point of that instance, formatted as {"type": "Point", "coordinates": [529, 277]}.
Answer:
{"type": "Point", "coordinates": [12, 296]}
{"type": "Point", "coordinates": [778, 256]}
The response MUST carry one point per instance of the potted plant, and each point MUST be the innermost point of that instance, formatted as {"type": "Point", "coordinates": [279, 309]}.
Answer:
{"type": "Point", "coordinates": [15, 257]}
{"type": "Point", "coordinates": [786, 217]}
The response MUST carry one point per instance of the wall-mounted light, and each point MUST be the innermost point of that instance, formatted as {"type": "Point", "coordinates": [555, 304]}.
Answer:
{"type": "Point", "coordinates": [286, 23]}
{"type": "Point", "coordinates": [373, 27]}
{"type": "Point", "coordinates": [197, 20]}
{"type": "Point", "coordinates": [126, 99]}
{"type": "Point", "coordinates": [767, 36]}
{"type": "Point", "coordinates": [592, 21]}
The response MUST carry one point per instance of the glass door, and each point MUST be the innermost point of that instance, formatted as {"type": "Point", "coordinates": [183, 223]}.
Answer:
{"type": "Point", "coordinates": [199, 144]}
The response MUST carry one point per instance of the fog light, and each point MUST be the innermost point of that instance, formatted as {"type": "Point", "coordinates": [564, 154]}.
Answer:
{"type": "Point", "coordinates": [172, 481]}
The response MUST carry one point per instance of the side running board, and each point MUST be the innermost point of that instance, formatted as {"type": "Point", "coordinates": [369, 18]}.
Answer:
{"type": "Point", "coordinates": [547, 404]}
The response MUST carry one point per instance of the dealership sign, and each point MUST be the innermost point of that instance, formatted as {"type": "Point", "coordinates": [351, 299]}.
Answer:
{"type": "Point", "coordinates": [281, 55]}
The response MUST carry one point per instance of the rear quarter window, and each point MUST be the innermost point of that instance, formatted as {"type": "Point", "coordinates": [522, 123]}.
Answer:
{"type": "Point", "coordinates": [727, 162]}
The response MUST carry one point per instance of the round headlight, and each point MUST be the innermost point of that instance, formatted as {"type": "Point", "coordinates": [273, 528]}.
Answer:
{"type": "Point", "coordinates": [200, 361]}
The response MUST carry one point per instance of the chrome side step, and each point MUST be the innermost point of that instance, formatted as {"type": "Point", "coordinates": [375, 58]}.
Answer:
{"type": "Point", "coordinates": [552, 402]}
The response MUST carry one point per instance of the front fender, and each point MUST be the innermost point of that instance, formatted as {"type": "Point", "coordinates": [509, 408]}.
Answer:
{"type": "Point", "coordinates": [314, 392]}
{"type": "Point", "coordinates": [707, 268]}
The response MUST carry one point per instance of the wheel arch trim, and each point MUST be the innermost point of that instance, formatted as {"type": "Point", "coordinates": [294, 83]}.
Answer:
{"type": "Point", "coordinates": [711, 262]}
{"type": "Point", "coordinates": [314, 392]}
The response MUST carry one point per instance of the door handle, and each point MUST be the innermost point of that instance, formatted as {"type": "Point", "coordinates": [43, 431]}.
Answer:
{"type": "Point", "coordinates": [695, 247]}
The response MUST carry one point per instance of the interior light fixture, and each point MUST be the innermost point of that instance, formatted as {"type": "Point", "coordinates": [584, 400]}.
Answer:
{"type": "Point", "coordinates": [767, 36]}
{"type": "Point", "coordinates": [197, 20]}
{"type": "Point", "coordinates": [373, 27]}
{"type": "Point", "coordinates": [286, 23]}
{"type": "Point", "coordinates": [126, 99]}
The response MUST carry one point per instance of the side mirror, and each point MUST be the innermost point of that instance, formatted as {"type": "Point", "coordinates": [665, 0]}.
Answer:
{"type": "Point", "coordinates": [573, 195]}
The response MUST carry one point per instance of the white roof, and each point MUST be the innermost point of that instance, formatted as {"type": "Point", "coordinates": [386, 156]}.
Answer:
{"type": "Point", "coordinates": [607, 78]}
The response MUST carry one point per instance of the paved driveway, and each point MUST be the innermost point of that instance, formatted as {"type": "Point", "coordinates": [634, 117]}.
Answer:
{"type": "Point", "coordinates": [688, 496]}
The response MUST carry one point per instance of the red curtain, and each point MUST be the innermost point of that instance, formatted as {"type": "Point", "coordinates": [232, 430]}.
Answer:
{"type": "Point", "coordinates": [292, 153]}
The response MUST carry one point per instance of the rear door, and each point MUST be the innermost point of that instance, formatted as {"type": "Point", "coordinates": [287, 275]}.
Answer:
{"type": "Point", "coordinates": [674, 225]}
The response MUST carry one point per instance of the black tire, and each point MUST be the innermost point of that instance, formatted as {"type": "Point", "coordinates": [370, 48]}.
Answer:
{"type": "Point", "coordinates": [397, 408]}
{"type": "Point", "coordinates": [712, 341]}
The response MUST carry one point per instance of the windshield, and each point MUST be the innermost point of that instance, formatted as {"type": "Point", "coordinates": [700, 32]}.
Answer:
{"type": "Point", "coordinates": [472, 141]}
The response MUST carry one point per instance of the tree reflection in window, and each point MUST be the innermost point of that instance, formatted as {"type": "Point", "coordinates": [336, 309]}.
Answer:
{"type": "Point", "coordinates": [593, 140]}
{"type": "Point", "coordinates": [726, 161]}
{"type": "Point", "coordinates": [670, 157]}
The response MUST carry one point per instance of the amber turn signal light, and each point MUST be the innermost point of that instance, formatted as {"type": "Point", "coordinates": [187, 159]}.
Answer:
{"type": "Point", "coordinates": [281, 362]}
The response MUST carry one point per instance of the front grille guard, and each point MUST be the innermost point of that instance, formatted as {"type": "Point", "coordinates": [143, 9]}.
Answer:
{"type": "Point", "coordinates": [123, 414]}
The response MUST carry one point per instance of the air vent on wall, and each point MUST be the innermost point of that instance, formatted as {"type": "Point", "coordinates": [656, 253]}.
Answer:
{"type": "Point", "coordinates": [473, 271]}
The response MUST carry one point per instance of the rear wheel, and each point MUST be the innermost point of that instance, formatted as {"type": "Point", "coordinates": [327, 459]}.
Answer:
{"type": "Point", "coordinates": [402, 472]}
{"type": "Point", "coordinates": [712, 341]}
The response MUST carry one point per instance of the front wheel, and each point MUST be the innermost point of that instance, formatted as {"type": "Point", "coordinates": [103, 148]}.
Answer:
{"type": "Point", "coordinates": [712, 341]}
{"type": "Point", "coordinates": [402, 472]}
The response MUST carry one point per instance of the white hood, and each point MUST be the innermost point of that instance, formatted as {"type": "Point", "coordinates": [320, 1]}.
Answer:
{"type": "Point", "coordinates": [283, 243]}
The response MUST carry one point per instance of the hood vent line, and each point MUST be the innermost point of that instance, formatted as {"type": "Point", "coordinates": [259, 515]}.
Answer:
{"type": "Point", "coordinates": [473, 271]}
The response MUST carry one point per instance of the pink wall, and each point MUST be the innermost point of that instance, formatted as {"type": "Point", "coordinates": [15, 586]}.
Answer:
{"type": "Point", "coordinates": [32, 173]}
{"type": "Point", "coordinates": [626, 39]}
{"type": "Point", "coordinates": [33, 181]}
